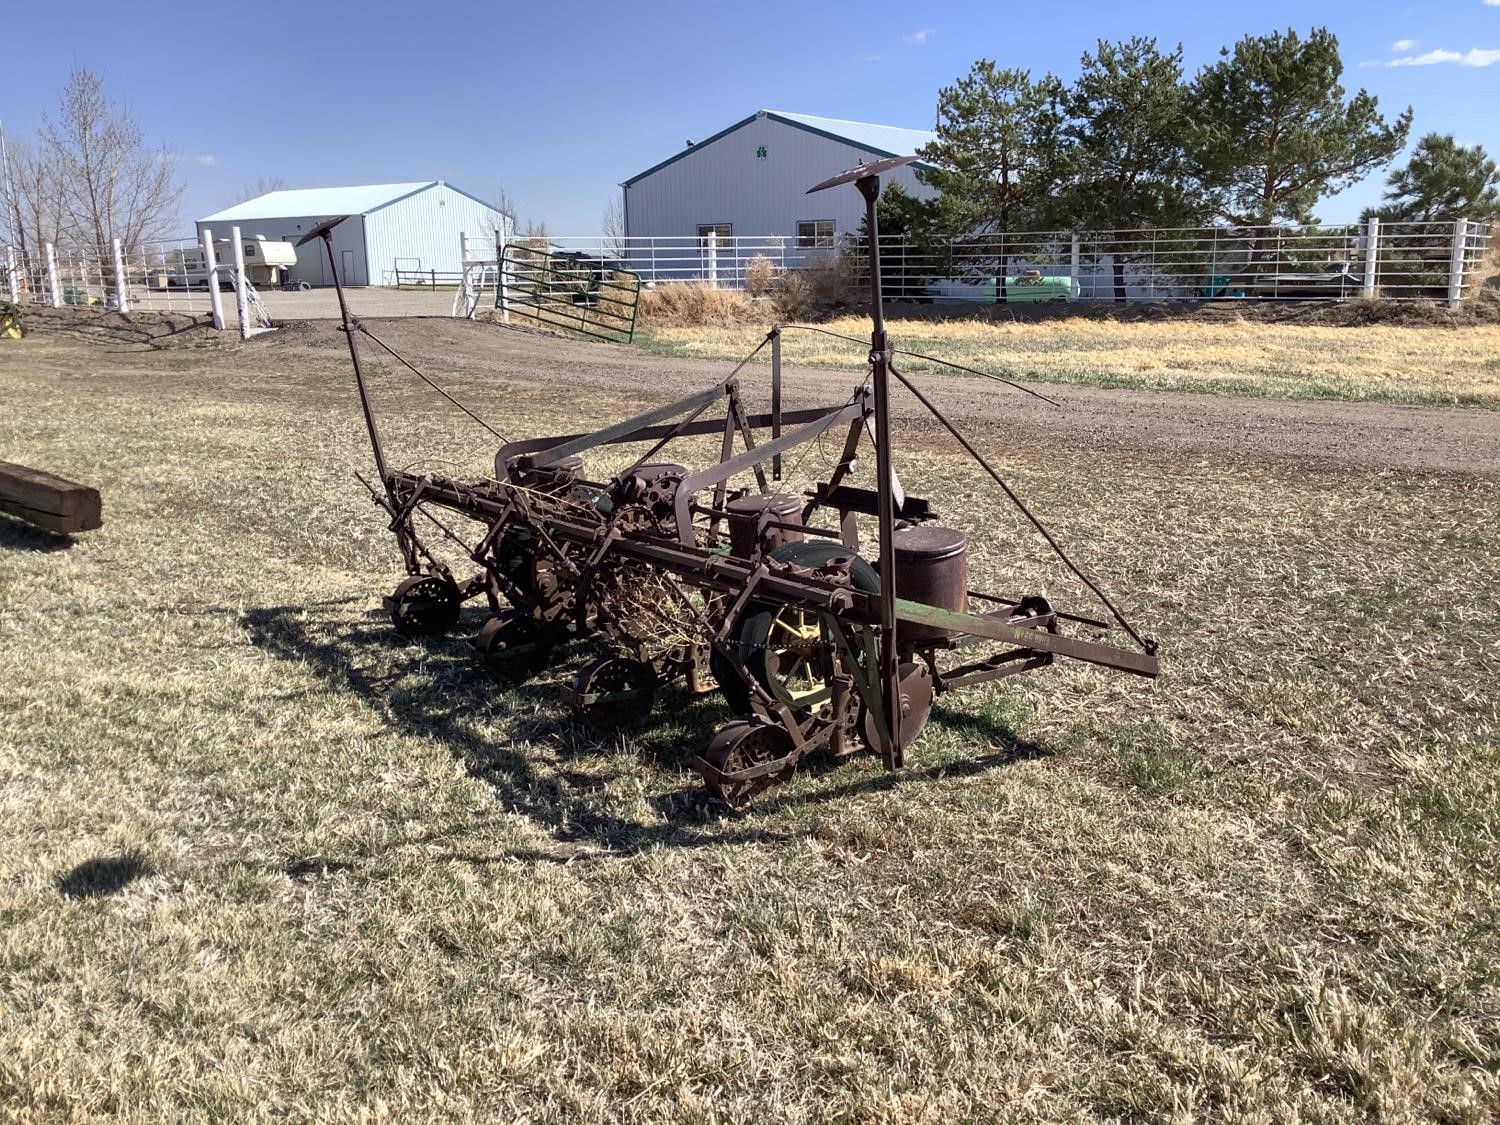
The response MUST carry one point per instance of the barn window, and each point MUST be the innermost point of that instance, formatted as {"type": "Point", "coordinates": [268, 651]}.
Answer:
{"type": "Point", "coordinates": [721, 231]}
{"type": "Point", "coordinates": [815, 232]}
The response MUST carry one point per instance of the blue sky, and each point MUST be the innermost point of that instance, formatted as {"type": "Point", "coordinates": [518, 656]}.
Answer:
{"type": "Point", "coordinates": [560, 102]}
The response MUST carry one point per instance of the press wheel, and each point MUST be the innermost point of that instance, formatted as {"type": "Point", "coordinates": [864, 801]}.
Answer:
{"type": "Point", "coordinates": [424, 605]}
{"type": "Point", "coordinates": [742, 745]}
{"type": "Point", "coordinates": [513, 646]}
{"type": "Point", "coordinates": [612, 692]}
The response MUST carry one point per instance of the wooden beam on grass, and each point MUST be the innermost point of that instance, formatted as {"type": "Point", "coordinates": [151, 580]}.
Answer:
{"type": "Point", "coordinates": [48, 501]}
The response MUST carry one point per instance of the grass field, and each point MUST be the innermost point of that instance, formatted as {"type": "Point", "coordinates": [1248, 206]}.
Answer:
{"type": "Point", "coordinates": [1435, 365]}
{"type": "Point", "coordinates": [261, 859]}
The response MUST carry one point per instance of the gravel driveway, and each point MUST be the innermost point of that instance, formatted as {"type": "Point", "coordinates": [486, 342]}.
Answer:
{"type": "Point", "coordinates": [1355, 435]}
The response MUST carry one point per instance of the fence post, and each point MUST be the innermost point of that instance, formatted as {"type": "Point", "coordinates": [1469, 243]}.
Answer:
{"type": "Point", "coordinates": [501, 294]}
{"type": "Point", "coordinates": [122, 291]}
{"type": "Point", "coordinates": [10, 275]}
{"type": "Point", "coordinates": [1372, 258]}
{"type": "Point", "coordinates": [776, 398]}
{"type": "Point", "coordinates": [1075, 264]}
{"type": "Point", "coordinates": [713, 259]}
{"type": "Point", "coordinates": [1457, 260]}
{"type": "Point", "coordinates": [54, 286]}
{"type": "Point", "coordinates": [241, 292]}
{"type": "Point", "coordinates": [210, 265]}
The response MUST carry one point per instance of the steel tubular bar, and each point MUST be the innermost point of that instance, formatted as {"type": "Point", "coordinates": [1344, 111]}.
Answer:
{"type": "Point", "coordinates": [620, 430]}
{"type": "Point", "coordinates": [776, 397]}
{"type": "Point", "coordinates": [652, 433]}
{"type": "Point", "coordinates": [326, 232]}
{"type": "Point", "coordinates": [880, 360]}
{"type": "Point", "coordinates": [695, 482]}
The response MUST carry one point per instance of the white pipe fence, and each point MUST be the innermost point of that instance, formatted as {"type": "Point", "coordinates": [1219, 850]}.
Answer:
{"type": "Point", "coordinates": [170, 275]}
{"type": "Point", "coordinates": [1394, 261]}
{"type": "Point", "coordinates": [1436, 262]}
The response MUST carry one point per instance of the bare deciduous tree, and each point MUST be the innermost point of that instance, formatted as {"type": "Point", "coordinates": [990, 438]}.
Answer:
{"type": "Point", "coordinates": [34, 205]}
{"type": "Point", "coordinates": [612, 231]}
{"type": "Point", "coordinates": [265, 185]}
{"type": "Point", "coordinates": [113, 184]}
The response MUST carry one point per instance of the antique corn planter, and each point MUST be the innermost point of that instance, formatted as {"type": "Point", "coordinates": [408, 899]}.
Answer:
{"type": "Point", "coordinates": [815, 639]}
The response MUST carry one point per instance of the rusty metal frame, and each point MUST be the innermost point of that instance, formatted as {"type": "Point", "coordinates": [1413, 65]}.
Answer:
{"type": "Point", "coordinates": [868, 635]}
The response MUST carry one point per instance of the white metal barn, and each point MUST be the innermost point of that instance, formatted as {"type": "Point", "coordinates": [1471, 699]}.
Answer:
{"type": "Point", "coordinates": [411, 227]}
{"type": "Point", "coordinates": [751, 179]}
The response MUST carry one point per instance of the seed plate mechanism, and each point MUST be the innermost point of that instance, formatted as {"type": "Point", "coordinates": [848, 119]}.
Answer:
{"type": "Point", "coordinates": [829, 620]}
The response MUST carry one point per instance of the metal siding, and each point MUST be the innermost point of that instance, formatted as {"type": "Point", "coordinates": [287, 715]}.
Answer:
{"type": "Point", "coordinates": [312, 261]}
{"type": "Point", "coordinates": [727, 183]}
{"type": "Point", "coordinates": [424, 226]}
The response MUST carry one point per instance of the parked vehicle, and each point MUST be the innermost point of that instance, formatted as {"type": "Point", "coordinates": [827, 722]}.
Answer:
{"type": "Point", "coordinates": [268, 263]}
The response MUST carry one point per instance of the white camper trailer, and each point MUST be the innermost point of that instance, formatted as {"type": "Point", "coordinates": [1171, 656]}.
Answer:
{"type": "Point", "coordinates": [267, 263]}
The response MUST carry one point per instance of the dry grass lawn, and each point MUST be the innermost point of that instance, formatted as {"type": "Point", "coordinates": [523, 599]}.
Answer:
{"type": "Point", "coordinates": [1438, 365]}
{"type": "Point", "coordinates": [260, 859]}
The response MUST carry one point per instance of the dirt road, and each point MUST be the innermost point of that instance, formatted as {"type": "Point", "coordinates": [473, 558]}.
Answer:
{"type": "Point", "coordinates": [1334, 434]}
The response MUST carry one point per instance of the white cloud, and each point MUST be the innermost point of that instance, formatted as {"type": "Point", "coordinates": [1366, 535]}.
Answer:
{"type": "Point", "coordinates": [918, 37]}
{"type": "Point", "coordinates": [872, 58]}
{"type": "Point", "coordinates": [207, 160]}
{"type": "Point", "coordinates": [1472, 57]}
{"type": "Point", "coordinates": [1492, 3]}
{"type": "Point", "coordinates": [1403, 44]}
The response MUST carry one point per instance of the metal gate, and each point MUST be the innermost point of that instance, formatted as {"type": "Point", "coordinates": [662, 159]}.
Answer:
{"type": "Point", "coordinates": [571, 290]}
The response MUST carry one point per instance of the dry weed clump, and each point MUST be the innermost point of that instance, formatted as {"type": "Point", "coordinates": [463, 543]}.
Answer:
{"type": "Point", "coordinates": [827, 284]}
{"type": "Point", "coordinates": [688, 305]}
{"type": "Point", "coordinates": [760, 276]}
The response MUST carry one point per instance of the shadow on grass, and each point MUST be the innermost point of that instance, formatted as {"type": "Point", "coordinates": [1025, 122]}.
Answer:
{"type": "Point", "coordinates": [105, 875]}
{"type": "Point", "coordinates": [18, 536]}
{"type": "Point", "coordinates": [558, 784]}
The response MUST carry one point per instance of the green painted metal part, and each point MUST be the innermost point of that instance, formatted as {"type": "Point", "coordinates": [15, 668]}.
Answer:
{"type": "Point", "coordinates": [578, 293]}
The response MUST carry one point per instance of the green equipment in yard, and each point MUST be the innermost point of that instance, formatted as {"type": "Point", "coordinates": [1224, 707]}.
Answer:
{"type": "Point", "coordinates": [1031, 288]}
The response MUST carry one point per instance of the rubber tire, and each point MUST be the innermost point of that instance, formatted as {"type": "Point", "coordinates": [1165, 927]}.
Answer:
{"type": "Point", "coordinates": [754, 625]}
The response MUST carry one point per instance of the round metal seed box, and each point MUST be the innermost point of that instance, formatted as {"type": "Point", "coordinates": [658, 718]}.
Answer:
{"type": "Point", "coordinates": [932, 567]}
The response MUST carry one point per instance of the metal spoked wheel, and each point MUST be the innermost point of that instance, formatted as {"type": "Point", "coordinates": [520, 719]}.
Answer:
{"type": "Point", "coordinates": [741, 746]}
{"type": "Point", "coordinates": [790, 651]}
{"type": "Point", "coordinates": [424, 605]}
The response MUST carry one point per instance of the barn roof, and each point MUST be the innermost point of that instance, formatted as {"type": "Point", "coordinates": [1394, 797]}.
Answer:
{"type": "Point", "coordinates": [359, 199]}
{"type": "Point", "coordinates": [881, 140]}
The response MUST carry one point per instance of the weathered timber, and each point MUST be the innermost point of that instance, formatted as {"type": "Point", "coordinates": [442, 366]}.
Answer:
{"type": "Point", "coordinates": [50, 502]}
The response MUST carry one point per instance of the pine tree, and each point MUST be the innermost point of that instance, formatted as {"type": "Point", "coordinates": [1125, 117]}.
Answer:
{"type": "Point", "coordinates": [1443, 181]}
{"type": "Point", "coordinates": [998, 137]}
{"type": "Point", "coordinates": [998, 152]}
{"type": "Point", "coordinates": [1126, 134]}
{"type": "Point", "coordinates": [1274, 132]}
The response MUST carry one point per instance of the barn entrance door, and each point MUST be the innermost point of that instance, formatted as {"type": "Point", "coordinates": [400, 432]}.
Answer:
{"type": "Point", "coordinates": [346, 268]}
